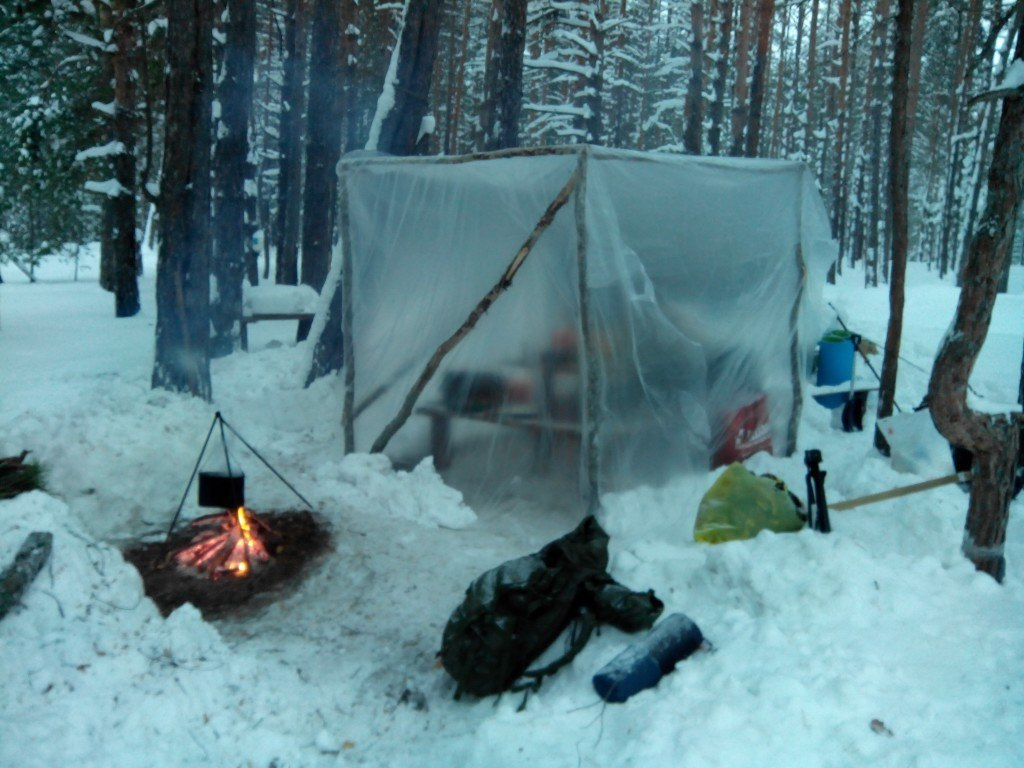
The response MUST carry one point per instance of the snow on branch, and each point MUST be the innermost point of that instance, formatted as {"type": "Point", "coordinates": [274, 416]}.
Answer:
{"type": "Point", "coordinates": [107, 150]}
{"type": "Point", "coordinates": [110, 188]}
{"type": "Point", "coordinates": [1012, 86]}
{"type": "Point", "coordinates": [549, 62]}
{"type": "Point", "coordinates": [92, 42]}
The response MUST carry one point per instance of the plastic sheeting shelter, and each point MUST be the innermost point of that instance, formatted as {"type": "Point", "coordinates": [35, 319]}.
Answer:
{"type": "Point", "coordinates": [668, 296]}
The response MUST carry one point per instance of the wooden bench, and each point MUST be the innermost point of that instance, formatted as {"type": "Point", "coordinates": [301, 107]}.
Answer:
{"type": "Point", "coordinates": [516, 417]}
{"type": "Point", "coordinates": [305, 323]}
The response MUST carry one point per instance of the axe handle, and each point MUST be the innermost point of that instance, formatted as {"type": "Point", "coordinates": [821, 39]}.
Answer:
{"type": "Point", "coordinates": [894, 493]}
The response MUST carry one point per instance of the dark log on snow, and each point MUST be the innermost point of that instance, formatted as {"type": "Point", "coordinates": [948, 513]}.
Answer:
{"type": "Point", "coordinates": [18, 476]}
{"type": "Point", "coordinates": [31, 558]}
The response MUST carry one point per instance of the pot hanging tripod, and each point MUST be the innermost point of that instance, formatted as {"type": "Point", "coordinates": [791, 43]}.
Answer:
{"type": "Point", "coordinates": [218, 489]}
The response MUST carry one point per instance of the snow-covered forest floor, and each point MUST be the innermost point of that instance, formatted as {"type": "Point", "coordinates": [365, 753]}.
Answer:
{"type": "Point", "coordinates": [816, 637]}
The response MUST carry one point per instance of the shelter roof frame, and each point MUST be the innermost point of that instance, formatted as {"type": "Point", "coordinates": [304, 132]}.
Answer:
{"type": "Point", "coordinates": [391, 194]}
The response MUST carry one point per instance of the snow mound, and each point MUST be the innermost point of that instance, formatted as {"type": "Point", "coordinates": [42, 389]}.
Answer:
{"type": "Point", "coordinates": [87, 633]}
{"type": "Point", "coordinates": [370, 484]}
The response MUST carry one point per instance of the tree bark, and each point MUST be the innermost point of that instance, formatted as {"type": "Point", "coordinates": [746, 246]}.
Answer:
{"type": "Point", "coordinates": [877, 91]}
{"type": "Point", "coordinates": [766, 10]}
{"type": "Point", "coordinates": [811, 122]}
{"type": "Point", "coordinates": [840, 178]}
{"type": "Point", "coordinates": [454, 142]}
{"type": "Point", "coordinates": [992, 439]}
{"type": "Point", "coordinates": [323, 140]}
{"type": "Point", "coordinates": [182, 359]}
{"type": "Point", "coordinates": [124, 243]}
{"type": "Point", "coordinates": [400, 128]}
{"type": "Point", "coordinates": [740, 107]}
{"type": "Point", "coordinates": [694, 93]}
{"type": "Point", "coordinates": [721, 69]}
{"type": "Point", "coordinates": [503, 77]}
{"type": "Point", "coordinates": [289, 197]}
{"type": "Point", "coordinates": [958, 125]}
{"type": "Point", "coordinates": [232, 243]}
{"type": "Point", "coordinates": [900, 140]}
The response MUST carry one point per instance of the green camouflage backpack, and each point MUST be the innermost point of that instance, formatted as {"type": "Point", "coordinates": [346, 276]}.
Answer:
{"type": "Point", "coordinates": [512, 613]}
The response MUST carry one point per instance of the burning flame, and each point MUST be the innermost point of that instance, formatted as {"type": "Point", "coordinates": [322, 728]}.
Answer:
{"type": "Point", "coordinates": [231, 543]}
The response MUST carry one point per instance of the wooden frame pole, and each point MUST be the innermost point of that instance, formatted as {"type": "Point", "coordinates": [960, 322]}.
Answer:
{"type": "Point", "coordinates": [589, 448]}
{"type": "Point", "coordinates": [504, 282]}
{"type": "Point", "coordinates": [348, 343]}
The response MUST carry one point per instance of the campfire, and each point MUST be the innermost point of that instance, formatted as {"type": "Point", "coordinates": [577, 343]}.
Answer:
{"type": "Point", "coordinates": [230, 543]}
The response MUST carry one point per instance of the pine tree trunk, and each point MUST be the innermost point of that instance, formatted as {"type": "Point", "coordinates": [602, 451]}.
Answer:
{"type": "Point", "coordinates": [503, 76]}
{"type": "Point", "coordinates": [958, 128]}
{"type": "Point", "coordinates": [594, 123]}
{"type": "Point", "coordinates": [811, 113]}
{"type": "Point", "coordinates": [232, 243]}
{"type": "Point", "coordinates": [323, 140]}
{"type": "Point", "coordinates": [740, 107]}
{"type": "Point", "coordinates": [916, 47]}
{"type": "Point", "coordinates": [455, 145]}
{"type": "Point", "coordinates": [766, 11]}
{"type": "Point", "coordinates": [400, 129]}
{"type": "Point", "coordinates": [993, 439]}
{"type": "Point", "coordinates": [840, 179]}
{"type": "Point", "coordinates": [182, 359]}
{"type": "Point", "coordinates": [900, 140]}
{"type": "Point", "coordinates": [721, 69]}
{"type": "Point", "coordinates": [695, 91]}
{"type": "Point", "coordinates": [124, 243]}
{"type": "Point", "coordinates": [778, 141]}
{"type": "Point", "coordinates": [289, 197]}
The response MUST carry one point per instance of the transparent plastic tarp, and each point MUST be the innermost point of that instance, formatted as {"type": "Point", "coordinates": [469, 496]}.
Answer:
{"type": "Point", "coordinates": [668, 295]}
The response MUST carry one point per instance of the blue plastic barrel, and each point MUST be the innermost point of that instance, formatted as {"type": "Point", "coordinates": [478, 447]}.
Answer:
{"type": "Point", "coordinates": [835, 366]}
{"type": "Point", "coordinates": [646, 661]}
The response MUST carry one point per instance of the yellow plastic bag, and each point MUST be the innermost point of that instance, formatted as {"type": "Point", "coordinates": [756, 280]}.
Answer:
{"type": "Point", "coordinates": [740, 504]}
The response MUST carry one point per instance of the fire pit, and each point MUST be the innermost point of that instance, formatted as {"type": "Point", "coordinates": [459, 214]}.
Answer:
{"type": "Point", "coordinates": [293, 542]}
{"type": "Point", "coordinates": [220, 561]}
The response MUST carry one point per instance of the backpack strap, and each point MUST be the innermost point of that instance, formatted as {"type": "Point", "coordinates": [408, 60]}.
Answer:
{"type": "Point", "coordinates": [579, 635]}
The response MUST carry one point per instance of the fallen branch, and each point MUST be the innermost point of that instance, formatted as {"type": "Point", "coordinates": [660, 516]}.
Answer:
{"type": "Point", "coordinates": [478, 311]}
{"type": "Point", "coordinates": [31, 558]}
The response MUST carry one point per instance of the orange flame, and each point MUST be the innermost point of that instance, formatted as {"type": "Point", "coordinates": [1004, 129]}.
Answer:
{"type": "Point", "coordinates": [234, 546]}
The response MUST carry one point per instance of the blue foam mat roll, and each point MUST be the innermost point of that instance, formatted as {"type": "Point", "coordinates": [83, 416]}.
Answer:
{"type": "Point", "coordinates": [646, 661]}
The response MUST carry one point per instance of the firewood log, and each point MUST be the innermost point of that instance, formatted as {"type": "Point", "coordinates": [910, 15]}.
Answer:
{"type": "Point", "coordinates": [31, 558]}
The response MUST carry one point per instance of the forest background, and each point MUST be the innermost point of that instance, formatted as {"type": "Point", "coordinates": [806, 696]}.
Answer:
{"type": "Point", "coordinates": [224, 122]}
{"type": "Point", "coordinates": [292, 84]}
